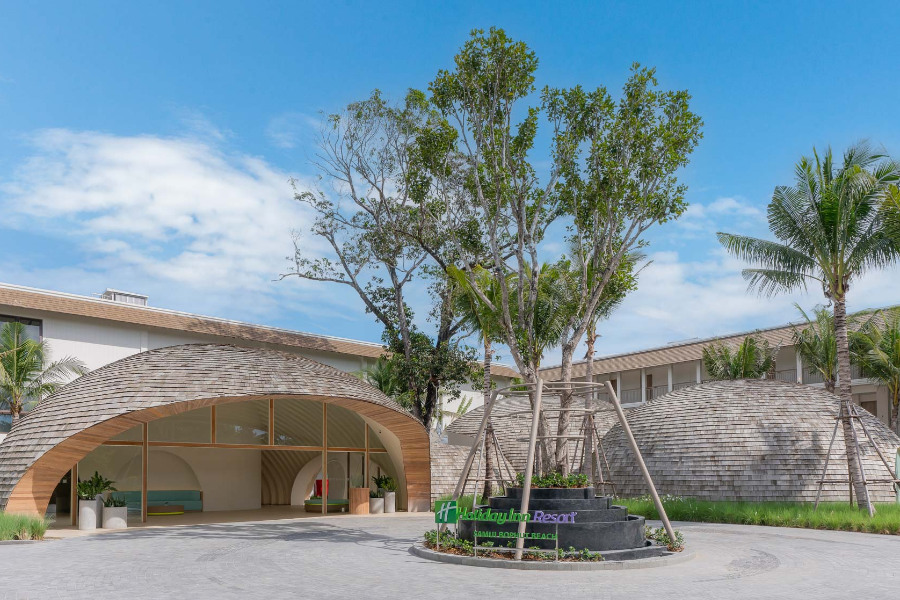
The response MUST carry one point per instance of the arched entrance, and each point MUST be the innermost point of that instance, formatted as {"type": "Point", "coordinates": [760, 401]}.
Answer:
{"type": "Point", "coordinates": [214, 400]}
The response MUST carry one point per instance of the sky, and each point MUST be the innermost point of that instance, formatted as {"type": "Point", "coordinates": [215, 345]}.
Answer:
{"type": "Point", "coordinates": [149, 146]}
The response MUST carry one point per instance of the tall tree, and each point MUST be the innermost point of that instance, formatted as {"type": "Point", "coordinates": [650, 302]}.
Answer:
{"type": "Point", "coordinates": [830, 227]}
{"type": "Point", "coordinates": [816, 342]}
{"type": "Point", "coordinates": [364, 159]}
{"type": "Point", "coordinates": [876, 348]}
{"type": "Point", "coordinates": [611, 175]}
{"type": "Point", "coordinates": [753, 358]}
{"type": "Point", "coordinates": [26, 373]}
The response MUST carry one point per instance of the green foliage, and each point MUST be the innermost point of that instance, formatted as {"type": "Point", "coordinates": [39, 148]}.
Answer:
{"type": "Point", "coordinates": [661, 537]}
{"type": "Point", "coordinates": [386, 483]}
{"type": "Point", "coordinates": [829, 225]}
{"type": "Point", "coordinates": [449, 542]}
{"type": "Point", "coordinates": [26, 373]}
{"type": "Point", "coordinates": [90, 488]}
{"type": "Point", "coordinates": [379, 493]}
{"type": "Point", "coordinates": [816, 342]}
{"type": "Point", "coordinates": [876, 349]}
{"type": "Point", "coordinates": [464, 502]}
{"type": "Point", "coordinates": [831, 515]}
{"type": "Point", "coordinates": [554, 479]}
{"type": "Point", "coordinates": [752, 359]}
{"type": "Point", "coordinates": [114, 501]}
{"type": "Point", "coordinates": [22, 527]}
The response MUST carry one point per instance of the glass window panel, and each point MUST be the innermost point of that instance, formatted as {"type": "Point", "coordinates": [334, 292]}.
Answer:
{"type": "Point", "coordinates": [374, 440]}
{"type": "Point", "coordinates": [345, 470]}
{"type": "Point", "coordinates": [346, 429]}
{"type": "Point", "coordinates": [298, 423]}
{"type": "Point", "coordinates": [135, 434]}
{"type": "Point", "coordinates": [381, 464]}
{"type": "Point", "coordinates": [190, 426]}
{"type": "Point", "coordinates": [120, 464]}
{"type": "Point", "coordinates": [243, 422]}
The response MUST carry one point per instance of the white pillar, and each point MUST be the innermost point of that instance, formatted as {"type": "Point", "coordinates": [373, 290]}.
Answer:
{"type": "Point", "coordinates": [671, 376]}
{"type": "Point", "coordinates": [618, 379]}
{"type": "Point", "coordinates": [699, 372]}
{"type": "Point", "coordinates": [799, 368]}
{"type": "Point", "coordinates": [643, 385]}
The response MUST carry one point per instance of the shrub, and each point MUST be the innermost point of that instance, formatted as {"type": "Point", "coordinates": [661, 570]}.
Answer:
{"type": "Point", "coordinates": [22, 527]}
{"type": "Point", "coordinates": [662, 538]}
{"type": "Point", "coordinates": [553, 480]}
{"type": "Point", "coordinates": [114, 502]}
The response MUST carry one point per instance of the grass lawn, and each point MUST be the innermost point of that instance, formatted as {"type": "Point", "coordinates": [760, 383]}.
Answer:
{"type": "Point", "coordinates": [21, 527]}
{"type": "Point", "coordinates": [831, 515]}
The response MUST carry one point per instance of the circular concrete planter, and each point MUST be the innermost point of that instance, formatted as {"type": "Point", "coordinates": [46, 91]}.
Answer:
{"type": "Point", "coordinates": [670, 558]}
{"type": "Point", "coordinates": [115, 517]}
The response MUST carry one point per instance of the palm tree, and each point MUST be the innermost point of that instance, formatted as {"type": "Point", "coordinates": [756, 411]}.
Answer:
{"type": "Point", "coordinates": [831, 229]}
{"type": "Point", "coordinates": [876, 347]}
{"type": "Point", "coordinates": [25, 375]}
{"type": "Point", "coordinates": [383, 377]}
{"type": "Point", "coordinates": [753, 358]}
{"type": "Point", "coordinates": [477, 318]}
{"type": "Point", "coordinates": [817, 344]}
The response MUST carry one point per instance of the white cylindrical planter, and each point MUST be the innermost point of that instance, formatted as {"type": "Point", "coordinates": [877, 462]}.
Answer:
{"type": "Point", "coordinates": [88, 514]}
{"type": "Point", "coordinates": [376, 506]}
{"type": "Point", "coordinates": [115, 517]}
{"type": "Point", "coordinates": [390, 502]}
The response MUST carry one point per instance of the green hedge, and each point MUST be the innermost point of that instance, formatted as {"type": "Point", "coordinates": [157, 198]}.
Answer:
{"type": "Point", "coordinates": [22, 527]}
{"type": "Point", "coordinates": [838, 516]}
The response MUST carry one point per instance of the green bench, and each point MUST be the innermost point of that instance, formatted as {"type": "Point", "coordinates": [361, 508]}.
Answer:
{"type": "Point", "coordinates": [191, 500]}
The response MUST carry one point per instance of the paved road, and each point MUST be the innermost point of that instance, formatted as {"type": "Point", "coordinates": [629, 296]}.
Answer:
{"type": "Point", "coordinates": [353, 557]}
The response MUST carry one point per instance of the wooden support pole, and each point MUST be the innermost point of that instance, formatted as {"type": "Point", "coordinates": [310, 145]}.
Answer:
{"type": "Point", "coordinates": [271, 421]}
{"type": "Point", "coordinates": [862, 471]}
{"type": "Point", "coordinates": [640, 460]}
{"type": "Point", "coordinates": [145, 451]}
{"type": "Point", "coordinates": [529, 466]}
{"type": "Point", "coordinates": [464, 474]}
{"type": "Point", "coordinates": [837, 423]}
{"type": "Point", "coordinates": [324, 458]}
{"type": "Point", "coordinates": [73, 496]}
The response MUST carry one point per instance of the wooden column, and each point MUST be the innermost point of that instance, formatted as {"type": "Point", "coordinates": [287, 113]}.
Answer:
{"type": "Point", "coordinates": [212, 421]}
{"type": "Point", "coordinates": [366, 465]}
{"type": "Point", "coordinates": [324, 458]}
{"type": "Point", "coordinates": [73, 495]}
{"type": "Point", "coordinates": [145, 449]}
{"type": "Point", "coordinates": [271, 421]}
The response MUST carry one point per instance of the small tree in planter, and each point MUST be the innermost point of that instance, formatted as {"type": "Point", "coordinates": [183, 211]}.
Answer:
{"type": "Point", "coordinates": [376, 502]}
{"type": "Point", "coordinates": [89, 501]}
{"type": "Point", "coordinates": [388, 488]}
{"type": "Point", "coordinates": [115, 513]}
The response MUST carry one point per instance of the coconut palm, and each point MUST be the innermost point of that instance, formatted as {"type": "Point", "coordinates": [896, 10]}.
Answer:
{"type": "Point", "coordinates": [817, 344]}
{"type": "Point", "coordinates": [876, 348]}
{"type": "Point", "coordinates": [26, 373]}
{"type": "Point", "coordinates": [831, 229]}
{"type": "Point", "coordinates": [753, 358]}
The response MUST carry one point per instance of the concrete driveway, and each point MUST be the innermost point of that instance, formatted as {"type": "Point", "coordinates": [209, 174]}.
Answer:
{"type": "Point", "coordinates": [367, 557]}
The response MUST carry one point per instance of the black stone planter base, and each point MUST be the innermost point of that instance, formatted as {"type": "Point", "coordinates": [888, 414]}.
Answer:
{"type": "Point", "coordinates": [599, 526]}
{"type": "Point", "coordinates": [614, 561]}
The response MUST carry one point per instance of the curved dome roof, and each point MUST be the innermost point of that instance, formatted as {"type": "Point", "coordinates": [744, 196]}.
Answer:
{"type": "Point", "coordinates": [512, 429]}
{"type": "Point", "coordinates": [744, 440]}
{"type": "Point", "coordinates": [150, 385]}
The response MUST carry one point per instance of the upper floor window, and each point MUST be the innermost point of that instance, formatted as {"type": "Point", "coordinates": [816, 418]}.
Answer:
{"type": "Point", "coordinates": [33, 327]}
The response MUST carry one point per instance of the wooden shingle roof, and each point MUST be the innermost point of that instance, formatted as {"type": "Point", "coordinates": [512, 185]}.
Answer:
{"type": "Point", "coordinates": [149, 385]}
{"type": "Point", "coordinates": [751, 439]}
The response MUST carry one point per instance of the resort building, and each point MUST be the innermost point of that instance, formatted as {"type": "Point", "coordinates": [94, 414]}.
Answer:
{"type": "Point", "coordinates": [205, 414]}
{"type": "Point", "coordinates": [647, 374]}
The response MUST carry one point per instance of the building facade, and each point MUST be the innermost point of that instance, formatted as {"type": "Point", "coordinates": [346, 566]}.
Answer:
{"type": "Point", "coordinates": [646, 374]}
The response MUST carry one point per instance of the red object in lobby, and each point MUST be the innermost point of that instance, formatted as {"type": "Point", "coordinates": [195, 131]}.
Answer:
{"type": "Point", "coordinates": [319, 488]}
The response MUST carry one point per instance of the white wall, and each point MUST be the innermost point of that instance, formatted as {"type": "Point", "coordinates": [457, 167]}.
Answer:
{"type": "Point", "coordinates": [230, 479]}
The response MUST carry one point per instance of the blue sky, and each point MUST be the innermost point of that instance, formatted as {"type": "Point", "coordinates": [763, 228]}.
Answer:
{"type": "Point", "coordinates": [148, 146]}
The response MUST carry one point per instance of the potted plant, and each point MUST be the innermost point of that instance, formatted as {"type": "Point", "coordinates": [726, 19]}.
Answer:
{"type": "Point", "coordinates": [90, 505]}
{"type": "Point", "coordinates": [376, 502]}
{"type": "Point", "coordinates": [389, 486]}
{"type": "Point", "coordinates": [359, 496]}
{"type": "Point", "coordinates": [115, 513]}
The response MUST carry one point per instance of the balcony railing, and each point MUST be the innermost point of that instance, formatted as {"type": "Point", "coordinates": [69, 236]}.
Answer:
{"type": "Point", "coordinates": [631, 396]}
{"type": "Point", "coordinates": [656, 391]}
{"type": "Point", "coordinates": [788, 375]}
{"type": "Point", "coordinates": [681, 386]}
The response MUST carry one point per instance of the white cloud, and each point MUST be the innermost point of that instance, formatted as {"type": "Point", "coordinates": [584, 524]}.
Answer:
{"type": "Point", "coordinates": [737, 206]}
{"type": "Point", "coordinates": [205, 229]}
{"type": "Point", "coordinates": [287, 130]}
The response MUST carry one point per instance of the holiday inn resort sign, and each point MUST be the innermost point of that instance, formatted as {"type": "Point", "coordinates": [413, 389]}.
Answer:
{"type": "Point", "coordinates": [446, 511]}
